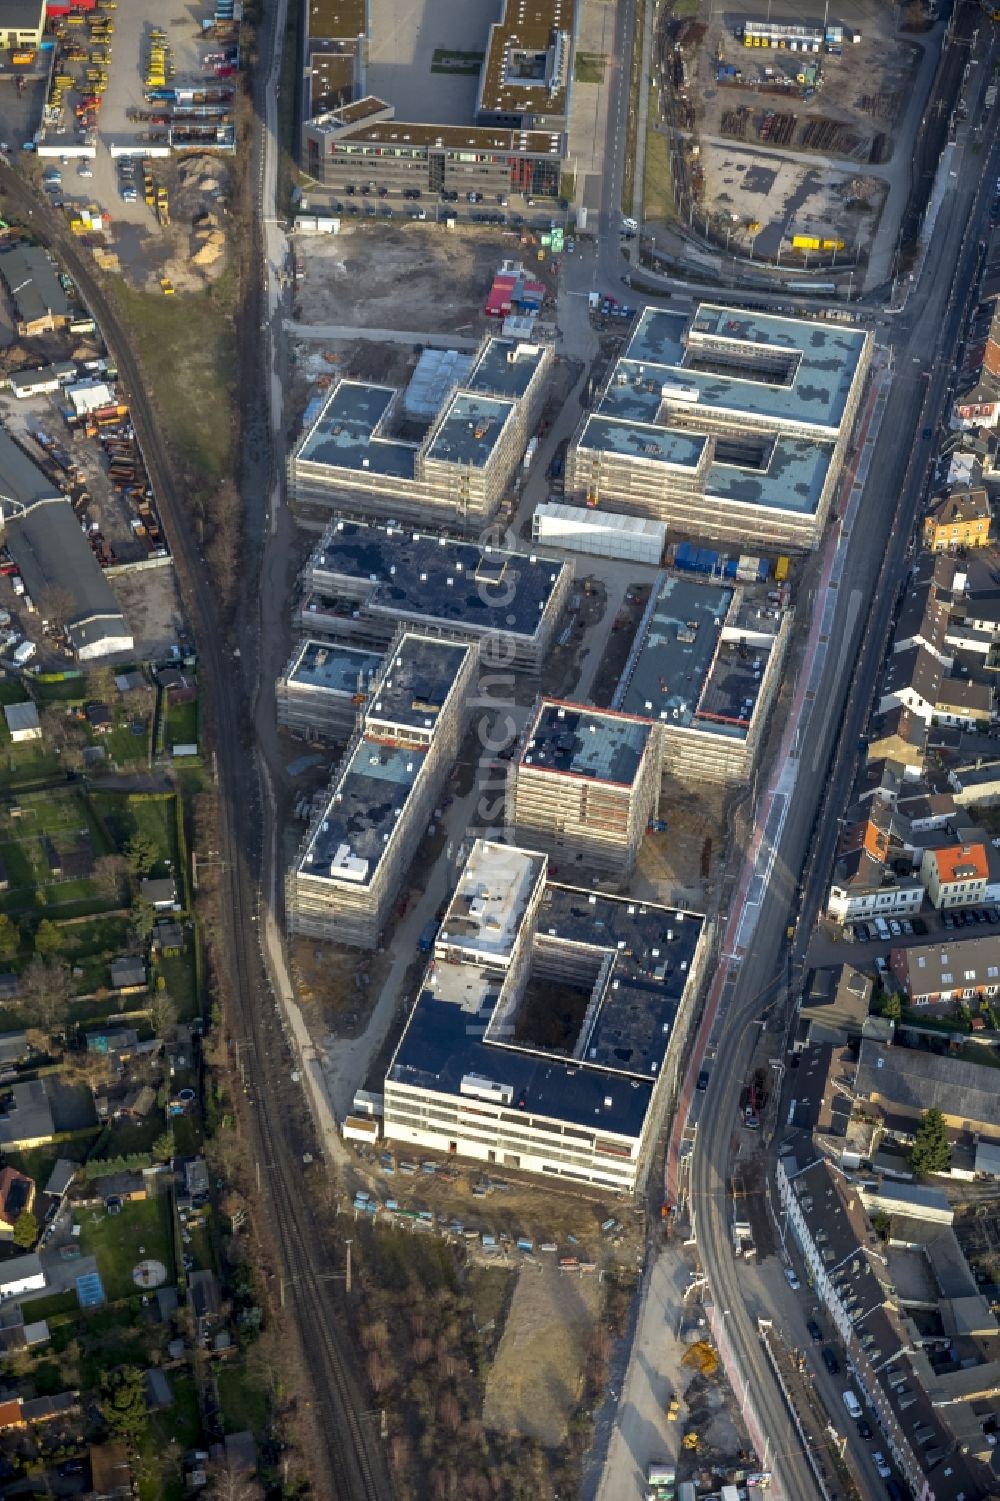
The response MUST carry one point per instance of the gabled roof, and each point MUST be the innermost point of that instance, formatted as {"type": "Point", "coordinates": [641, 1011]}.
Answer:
{"type": "Point", "coordinates": [961, 862]}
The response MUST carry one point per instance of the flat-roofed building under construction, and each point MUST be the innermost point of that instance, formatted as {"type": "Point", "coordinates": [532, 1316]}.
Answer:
{"type": "Point", "coordinates": [324, 688]}
{"type": "Point", "coordinates": [543, 1037]}
{"type": "Point", "coordinates": [362, 448]}
{"type": "Point", "coordinates": [705, 666]}
{"type": "Point", "coordinates": [583, 786]}
{"type": "Point", "coordinates": [357, 850]}
{"type": "Point", "coordinates": [364, 580]}
{"type": "Point", "coordinates": [730, 424]}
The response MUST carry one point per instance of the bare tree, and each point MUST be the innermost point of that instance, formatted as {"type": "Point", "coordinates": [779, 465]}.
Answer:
{"type": "Point", "coordinates": [101, 682]}
{"type": "Point", "coordinates": [60, 606]}
{"type": "Point", "coordinates": [229, 1484]}
{"type": "Point", "coordinates": [111, 873]}
{"type": "Point", "coordinates": [162, 1013]}
{"type": "Point", "coordinates": [47, 986]}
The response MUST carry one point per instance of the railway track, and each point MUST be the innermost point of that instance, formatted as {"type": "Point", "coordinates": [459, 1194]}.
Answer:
{"type": "Point", "coordinates": [355, 1469]}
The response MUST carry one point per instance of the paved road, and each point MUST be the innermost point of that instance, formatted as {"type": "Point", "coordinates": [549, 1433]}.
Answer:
{"type": "Point", "coordinates": [876, 561]}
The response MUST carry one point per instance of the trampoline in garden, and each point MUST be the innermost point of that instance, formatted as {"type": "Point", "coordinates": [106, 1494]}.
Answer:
{"type": "Point", "coordinates": [90, 1290]}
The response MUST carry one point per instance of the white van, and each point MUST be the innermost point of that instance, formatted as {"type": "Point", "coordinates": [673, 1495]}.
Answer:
{"type": "Point", "coordinates": [852, 1404]}
{"type": "Point", "coordinates": [882, 929]}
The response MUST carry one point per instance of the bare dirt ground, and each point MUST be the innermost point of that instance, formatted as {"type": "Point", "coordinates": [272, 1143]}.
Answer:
{"type": "Point", "coordinates": [681, 864]}
{"type": "Point", "coordinates": [152, 608]}
{"type": "Point", "coordinates": [536, 1378]}
{"type": "Point", "coordinates": [408, 277]}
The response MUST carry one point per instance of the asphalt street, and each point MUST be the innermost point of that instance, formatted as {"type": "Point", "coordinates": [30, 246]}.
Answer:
{"type": "Point", "coordinates": [923, 340]}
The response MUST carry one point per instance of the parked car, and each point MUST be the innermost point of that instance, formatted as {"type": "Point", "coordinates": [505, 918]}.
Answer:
{"type": "Point", "coordinates": [702, 1084]}
{"type": "Point", "coordinates": [948, 920]}
{"type": "Point", "coordinates": [830, 1361]}
{"type": "Point", "coordinates": [880, 1463]}
{"type": "Point", "coordinates": [864, 1429]}
{"type": "Point", "coordinates": [815, 1331]}
{"type": "Point", "coordinates": [852, 1404]}
{"type": "Point", "coordinates": [792, 1280]}
{"type": "Point", "coordinates": [894, 928]}
{"type": "Point", "coordinates": [906, 926]}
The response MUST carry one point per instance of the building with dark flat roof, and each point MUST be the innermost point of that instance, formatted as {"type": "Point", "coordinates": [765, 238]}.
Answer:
{"type": "Point", "coordinates": [583, 786]}
{"type": "Point", "coordinates": [324, 687]}
{"type": "Point", "coordinates": [357, 850]}
{"type": "Point", "coordinates": [359, 448]}
{"type": "Point", "coordinates": [729, 424]}
{"type": "Point", "coordinates": [705, 666]}
{"type": "Point", "coordinates": [491, 1069]}
{"type": "Point", "coordinates": [364, 580]}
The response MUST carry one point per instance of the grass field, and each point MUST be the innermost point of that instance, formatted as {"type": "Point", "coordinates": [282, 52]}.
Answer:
{"type": "Point", "coordinates": [119, 1241]}
{"type": "Point", "coordinates": [589, 67]}
{"type": "Point", "coordinates": [244, 1405]}
{"type": "Point", "coordinates": [187, 343]}
{"type": "Point", "coordinates": [122, 815]}
{"type": "Point", "coordinates": [182, 724]}
{"type": "Point", "coordinates": [30, 762]}
{"type": "Point", "coordinates": [632, 118]}
{"type": "Point", "coordinates": [657, 185]}
{"type": "Point", "coordinates": [57, 825]}
{"type": "Point", "coordinates": [178, 971]}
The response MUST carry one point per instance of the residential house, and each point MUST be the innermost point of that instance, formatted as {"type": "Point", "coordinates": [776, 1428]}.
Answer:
{"type": "Point", "coordinates": [45, 1409]}
{"type": "Point", "coordinates": [17, 1196]}
{"type": "Point", "coordinates": [964, 701]}
{"type": "Point", "coordinates": [14, 1049]}
{"type": "Point", "coordinates": [955, 876]}
{"type": "Point", "coordinates": [959, 520]}
{"type": "Point", "coordinates": [866, 881]}
{"type": "Point", "coordinates": [160, 892]}
{"type": "Point", "coordinates": [22, 722]}
{"type": "Point", "coordinates": [965, 970]}
{"type": "Point", "coordinates": [835, 1004]}
{"type": "Point", "coordinates": [61, 1179]}
{"type": "Point", "coordinates": [128, 974]}
{"type": "Point", "coordinates": [899, 735]}
{"type": "Point", "coordinates": [853, 1277]}
{"type": "Point", "coordinates": [904, 1082]}
{"type": "Point", "coordinates": [159, 1394]}
{"type": "Point", "coordinates": [110, 1472]}
{"type": "Point", "coordinates": [978, 783]}
{"type": "Point", "coordinates": [168, 936]}
{"type": "Point", "coordinates": [25, 1116]}
{"type": "Point", "coordinates": [912, 681]}
{"type": "Point", "coordinates": [100, 718]}
{"type": "Point", "coordinates": [22, 1274]}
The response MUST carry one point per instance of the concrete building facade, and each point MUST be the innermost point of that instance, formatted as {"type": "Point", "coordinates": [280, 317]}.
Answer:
{"type": "Point", "coordinates": [364, 580]}
{"type": "Point", "coordinates": [323, 690]}
{"type": "Point", "coordinates": [457, 474]}
{"type": "Point", "coordinates": [473, 1077]}
{"type": "Point", "coordinates": [729, 424]}
{"type": "Point", "coordinates": [357, 850]}
{"type": "Point", "coordinates": [583, 787]}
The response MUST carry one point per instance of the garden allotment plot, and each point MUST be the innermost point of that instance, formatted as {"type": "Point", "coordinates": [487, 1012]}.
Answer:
{"type": "Point", "coordinates": [49, 845]}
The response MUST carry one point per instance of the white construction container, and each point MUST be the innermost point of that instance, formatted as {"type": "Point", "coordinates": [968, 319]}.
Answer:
{"type": "Point", "coordinates": [602, 534]}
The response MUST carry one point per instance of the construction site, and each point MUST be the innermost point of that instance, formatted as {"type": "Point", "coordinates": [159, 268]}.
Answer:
{"type": "Point", "coordinates": [791, 133]}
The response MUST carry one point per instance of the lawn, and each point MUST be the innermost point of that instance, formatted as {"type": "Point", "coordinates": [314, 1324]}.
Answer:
{"type": "Point", "coordinates": [632, 119]}
{"type": "Point", "coordinates": [122, 815]}
{"type": "Point", "coordinates": [182, 724]}
{"type": "Point", "coordinates": [657, 185]}
{"type": "Point", "coordinates": [178, 971]}
{"type": "Point", "coordinates": [169, 1434]}
{"type": "Point", "coordinates": [119, 1241]}
{"type": "Point", "coordinates": [187, 343]}
{"type": "Point", "coordinates": [244, 1405]}
{"type": "Point", "coordinates": [61, 819]}
{"type": "Point", "coordinates": [589, 67]}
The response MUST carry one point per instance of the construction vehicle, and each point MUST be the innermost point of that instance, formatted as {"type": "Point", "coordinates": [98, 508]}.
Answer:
{"type": "Point", "coordinates": [162, 206]}
{"type": "Point", "coordinates": [166, 286]}
{"type": "Point", "coordinates": [22, 59]}
{"type": "Point", "coordinates": [673, 1409]}
{"type": "Point", "coordinates": [690, 1441]}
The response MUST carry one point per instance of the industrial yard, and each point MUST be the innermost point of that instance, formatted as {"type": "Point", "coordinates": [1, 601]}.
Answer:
{"type": "Point", "coordinates": [791, 142]}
